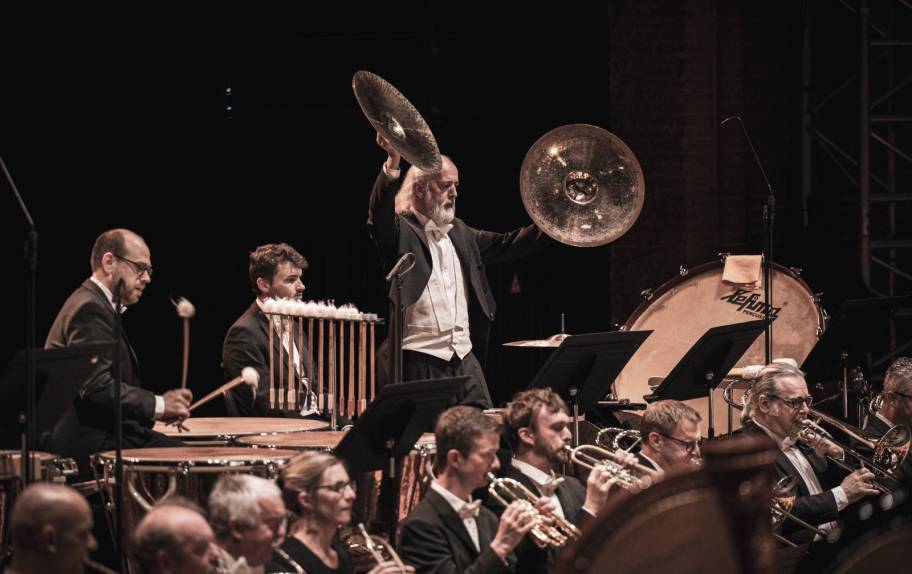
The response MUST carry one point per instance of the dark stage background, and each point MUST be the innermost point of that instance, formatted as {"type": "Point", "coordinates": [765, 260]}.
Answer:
{"type": "Point", "coordinates": [132, 125]}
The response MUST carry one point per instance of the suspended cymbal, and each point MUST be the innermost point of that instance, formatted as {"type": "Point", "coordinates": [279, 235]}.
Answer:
{"type": "Point", "coordinates": [551, 342]}
{"type": "Point", "coordinates": [582, 185]}
{"type": "Point", "coordinates": [397, 120]}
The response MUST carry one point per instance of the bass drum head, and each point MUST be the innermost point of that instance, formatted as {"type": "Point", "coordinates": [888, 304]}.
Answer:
{"type": "Point", "coordinates": [680, 312]}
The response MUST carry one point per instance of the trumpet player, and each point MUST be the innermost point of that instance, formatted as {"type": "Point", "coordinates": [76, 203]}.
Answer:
{"type": "Point", "coordinates": [536, 428]}
{"type": "Point", "coordinates": [779, 402]}
{"type": "Point", "coordinates": [670, 435]}
{"type": "Point", "coordinates": [448, 532]}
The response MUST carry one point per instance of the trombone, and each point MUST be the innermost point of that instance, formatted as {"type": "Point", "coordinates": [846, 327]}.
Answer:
{"type": "Point", "coordinates": [889, 451]}
{"type": "Point", "coordinates": [616, 436]}
{"type": "Point", "coordinates": [635, 478]}
{"type": "Point", "coordinates": [549, 529]}
{"type": "Point", "coordinates": [784, 494]}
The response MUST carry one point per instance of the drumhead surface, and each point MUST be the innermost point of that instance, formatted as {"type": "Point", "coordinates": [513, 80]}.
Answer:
{"type": "Point", "coordinates": [312, 440]}
{"type": "Point", "coordinates": [238, 426]}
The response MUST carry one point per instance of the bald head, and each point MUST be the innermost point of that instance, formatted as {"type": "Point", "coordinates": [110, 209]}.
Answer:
{"type": "Point", "coordinates": [174, 538]}
{"type": "Point", "coordinates": [51, 526]}
{"type": "Point", "coordinates": [121, 257]}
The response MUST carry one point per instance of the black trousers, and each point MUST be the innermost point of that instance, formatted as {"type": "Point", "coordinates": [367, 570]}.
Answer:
{"type": "Point", "coordinates": [417, 366]}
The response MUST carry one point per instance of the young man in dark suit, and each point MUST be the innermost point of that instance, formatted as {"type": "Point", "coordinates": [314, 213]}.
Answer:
{"type": "Point", "coordinates": [448, 532]}
{"type": "Point", "coordinates": [448, 303]}
{"type": "Point", "coordinates": [121, 265]}
{"type": "Point", "coordinates": [536, 428]}
{"type": "Point", "coordinates": [670, 436]}
{"type": "Point", "coordinates": [779, 400]}
{"type": "Point", "coordinates": [274, 272]}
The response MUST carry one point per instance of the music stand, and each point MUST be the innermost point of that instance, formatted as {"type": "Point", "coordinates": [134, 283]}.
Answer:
{"type": "Point", "coordinates": [846, 340]}
{"type": "Point", "coordinates": [61, 370]}
{"type": "Point", "coordinates": [707, 363]}
{"type": "Point", "coordinates": [391, 425]}
{"type": "Point", "coordinates": [584, 367]}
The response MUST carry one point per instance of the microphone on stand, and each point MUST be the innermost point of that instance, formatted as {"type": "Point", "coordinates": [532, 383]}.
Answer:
{"type": "Point", "coordinates": [403, 266]}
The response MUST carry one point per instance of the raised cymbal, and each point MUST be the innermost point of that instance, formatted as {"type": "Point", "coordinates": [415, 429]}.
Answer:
{"type": "Point", "coordinates": [582, 185]}
{"type": "Point", "coordinates": [397, 120]}
{"type": "Point", "coordinates": [553, 341]}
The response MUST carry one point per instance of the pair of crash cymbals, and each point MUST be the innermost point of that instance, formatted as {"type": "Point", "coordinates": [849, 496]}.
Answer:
{"type": "Point", "coordinates": [579, 183]}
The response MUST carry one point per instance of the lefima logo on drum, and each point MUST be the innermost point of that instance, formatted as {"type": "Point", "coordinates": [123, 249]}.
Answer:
{"type": "Point", "coordinates": [750, 305]}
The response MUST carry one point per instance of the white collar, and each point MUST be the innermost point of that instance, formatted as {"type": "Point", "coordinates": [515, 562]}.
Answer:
{"type": "Point", "coordinates": [783, 444]}
{"type": "Point", "coordinates": [536, 474]}
{"type": "Point", "coordinates": [430, 225]}
{"type": "Point", "coordinates": [453, 500]}
{"type": "Point", "coordinates": [107, 293]}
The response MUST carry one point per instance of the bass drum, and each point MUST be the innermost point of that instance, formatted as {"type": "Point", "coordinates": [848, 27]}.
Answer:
{"type": "Point", "coordinates": [681, 310]}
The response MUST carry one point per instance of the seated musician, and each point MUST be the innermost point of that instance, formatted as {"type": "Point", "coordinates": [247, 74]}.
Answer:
{"type": "Point", "coordinates": [895, 410]}
{"type": "Point", "coordinates": [275, 271]}
{"type": "Point", "coordinates": [448, 532]}
{"type": "Point", "coordinates": [247, 515]}
{"type": "Point", "coordinates": [174, 538]}
{"type": "Point", "coordinates": [779, 400]}
{"type": "Point", "coordinates": [319, 494]}
{"type": "Point", "coordinates": [670, 435]}
{"type": "Point", "coordinates": [536, 428]}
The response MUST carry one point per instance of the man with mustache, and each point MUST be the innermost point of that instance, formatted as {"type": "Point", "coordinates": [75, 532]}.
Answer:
{"type": "Point", "coordinates": [275, 272]}
{"type": "Point", "coordinates": [448, 303]}
{"type": "Point", "coordinates": [121, 264]}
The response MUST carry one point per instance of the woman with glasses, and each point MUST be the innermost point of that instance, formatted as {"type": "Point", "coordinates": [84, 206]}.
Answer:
{"type": "Point", "coordinates": [320, 495]}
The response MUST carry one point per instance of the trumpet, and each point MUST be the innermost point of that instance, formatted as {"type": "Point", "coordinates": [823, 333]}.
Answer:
{"type": "Point", "coordinates": [635, 478]}
{"type": "Point", "coordinates": [549, 529]}
{"type": "Point", "coordinates": [889, 451]}
{"type": "Point", "coordinates": [361, 541]}
{"type": "Point", "coordinates": [616, 435]}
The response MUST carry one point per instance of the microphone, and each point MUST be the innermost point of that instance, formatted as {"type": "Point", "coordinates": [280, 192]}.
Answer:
{"type": "Point", "coordinates": [403, 266]}
{"type": "Point", "coordinates": [753, 150]}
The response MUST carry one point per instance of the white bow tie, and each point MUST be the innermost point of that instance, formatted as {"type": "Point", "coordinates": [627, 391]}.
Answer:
{"type": "Point", "coordinates": [470, 509]}
{"type": "Point", "coordinates": [549, 486]}
{"type": "Point", "coordinates": [437, 231]}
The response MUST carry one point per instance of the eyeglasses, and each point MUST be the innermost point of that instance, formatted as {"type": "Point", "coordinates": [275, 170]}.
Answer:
{"type": "Point", "coordinates": [140, 268]}
{"type": "Point", "coordinates": [795, 402]}
{"type": "Point", "coordinates": [689, 445]}
{"type": "Point", "coordinates": [339, 487]}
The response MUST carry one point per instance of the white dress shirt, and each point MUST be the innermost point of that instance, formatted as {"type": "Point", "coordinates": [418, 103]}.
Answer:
{"type": "Point", "coordinates": [457, 503]}
{"type": "Point", "coordinates": [806, 471]}
{"type": "Point", "coordinates": [539, 477]}
{"type": "Point", "coordinates": [159, 400]}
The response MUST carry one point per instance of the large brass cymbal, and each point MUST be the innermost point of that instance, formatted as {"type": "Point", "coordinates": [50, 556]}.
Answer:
{"type": "Point", "coordinates": [582, 185]}
{"type": "Point", "coordinates": [397, 120]}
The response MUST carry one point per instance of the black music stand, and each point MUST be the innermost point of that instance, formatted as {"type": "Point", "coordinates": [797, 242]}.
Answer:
{"type": "Point", "coordinates": [59, 371]}
{"type": "Point", "coordinates": [846, 340]}
{"type": "Point", "coordinates": [583, 368]}
{"type": "Point", "coordinates": [390, 427]}
{"type": "Point", "coordinates": [707, 363]}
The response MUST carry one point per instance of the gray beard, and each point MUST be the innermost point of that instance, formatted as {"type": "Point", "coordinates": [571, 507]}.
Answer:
{"type": "Point", "coordinates": [441, 215]}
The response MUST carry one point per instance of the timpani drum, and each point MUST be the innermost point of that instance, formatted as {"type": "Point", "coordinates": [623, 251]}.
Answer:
{"type": "Point", "coordinates": [681, 310]}
{"type": "Point", "coordinates": [46, 467]}
{"type": "Point", "coordinates": [152, 474]}
{"type": "Point", "coordinates": [224, 431]}
{"type": "Point", "coordinates": [413, 475]}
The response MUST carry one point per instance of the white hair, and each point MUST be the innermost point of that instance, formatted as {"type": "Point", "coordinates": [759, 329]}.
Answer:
{"type": "Point", "coordinates": [768, 383]}
{"type": "Point", "coordinates": [405, 198]}
{"type": "Point", "coordinates": [236, 497]}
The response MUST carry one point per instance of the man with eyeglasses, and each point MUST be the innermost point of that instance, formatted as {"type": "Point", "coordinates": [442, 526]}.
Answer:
{"type": "Point", "coordinates": [274, 272]}
{"type": "Point", "coordinates": [779, 400]}
{"type": "Point", "coordinates": [247, 516]}
{"type": "Point", "coordinates": [121, 266]}
{"type": "Point", "coordinates": [670, 436]}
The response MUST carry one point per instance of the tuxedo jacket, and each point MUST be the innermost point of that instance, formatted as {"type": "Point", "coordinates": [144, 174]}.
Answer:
{"type": "Point", "coordinates": [815, 509]}
{"type": "Point", "coordinates": [570, 493]}
{"type": "Point", "coordinates": [395, 235]}
{"type": "Point", "coordinates": [88, 424]}
{"type": "Point", "coordinates": [247, 345]}
{"type": "Point", "coordinates": [434, 539]}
